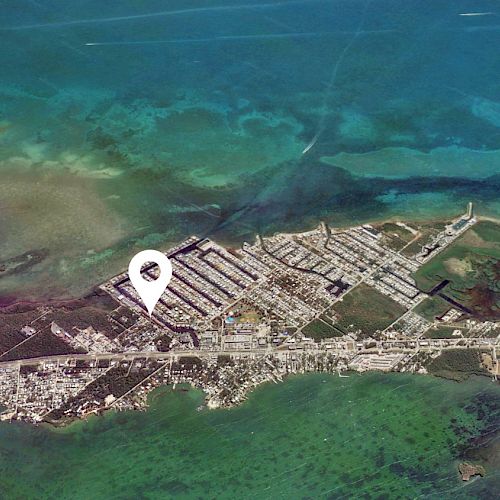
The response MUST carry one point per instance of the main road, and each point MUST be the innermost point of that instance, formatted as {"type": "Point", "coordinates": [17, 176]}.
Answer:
{"type": "Point", "coordinates": [411, 346]}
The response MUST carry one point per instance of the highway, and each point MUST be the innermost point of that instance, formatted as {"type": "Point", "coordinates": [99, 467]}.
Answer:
{"type": "Point", "coordinates": [427, 345]}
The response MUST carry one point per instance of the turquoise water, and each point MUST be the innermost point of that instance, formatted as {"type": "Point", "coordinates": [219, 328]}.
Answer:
{"type": "Point", "coordinates": [127, 125]}
{"type": "Point", "coordinates": [316, 436]}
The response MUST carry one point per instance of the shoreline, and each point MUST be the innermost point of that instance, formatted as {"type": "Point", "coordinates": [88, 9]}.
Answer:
{"type": "Point", "coordinates": [211, 405]}
{"type": "Point", "coordinates": [188, 386]}
{"type": "Point", "coordinates": [63, 301]}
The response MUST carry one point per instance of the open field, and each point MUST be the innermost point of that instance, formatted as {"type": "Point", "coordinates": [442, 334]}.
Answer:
{"type": "Point", "coordinates": [480, 243]}
{"type": "Point", "coordinates": [427, 231]}
{"type": "Point", "coordinates": [367, 310]}
{"type": "Point", "coordinates": [442, 332]}
{"type": "Point", "coordinates": [396, 236]}
{"type": "Point", "coordinates": [488, 231]}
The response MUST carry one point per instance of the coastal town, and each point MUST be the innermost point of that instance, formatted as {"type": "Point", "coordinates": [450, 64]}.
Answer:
{"type": "Point", "coordinates": [328, 300]}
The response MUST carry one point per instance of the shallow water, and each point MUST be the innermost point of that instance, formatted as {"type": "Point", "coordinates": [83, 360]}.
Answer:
{"type": "Point", "coordinates": [127, 125]}
{"type": "Point", "coordinates": [314, 436]}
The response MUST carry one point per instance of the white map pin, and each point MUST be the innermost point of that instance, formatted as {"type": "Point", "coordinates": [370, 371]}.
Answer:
{"type": "Point", "coordinates": [150, 291]}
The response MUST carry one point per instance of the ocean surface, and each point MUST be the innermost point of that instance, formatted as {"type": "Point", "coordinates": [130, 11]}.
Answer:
{"type": "Point", "coordinates": [127, 125]}
{"type": "Point", "coordinates": [314, 436]}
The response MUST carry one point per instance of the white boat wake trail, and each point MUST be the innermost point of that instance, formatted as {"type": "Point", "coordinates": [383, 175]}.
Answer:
{"type": "Point", "coordinates": [164, 13]}
{"type": "Point", "coordinates": [321, 124]}
{"type": "Point", "coordinates": [230, 38]}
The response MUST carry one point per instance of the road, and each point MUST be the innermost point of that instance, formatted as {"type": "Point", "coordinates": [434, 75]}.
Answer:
{"type": "Point", "coordinates": [402, 347]}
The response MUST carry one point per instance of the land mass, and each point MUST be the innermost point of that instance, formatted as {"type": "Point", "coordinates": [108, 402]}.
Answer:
{"type": "Point", "coordinates": [391, 296]}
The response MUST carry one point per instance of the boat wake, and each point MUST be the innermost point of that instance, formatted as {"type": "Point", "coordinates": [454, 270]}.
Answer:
{"type": "Point", "coordinates": [164, 13]}
{"type": "Point", "coordinates": [321, 123]}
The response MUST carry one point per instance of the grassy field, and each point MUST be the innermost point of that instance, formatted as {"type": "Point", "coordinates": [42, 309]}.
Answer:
{"type": "Point", "coordinates": [482, 242]}
{"type": "Point", "coordinates": [488, 231]}
{"type": "Point", "coordinates": [472, 264]}
{"type": "Point", "coordinates": [367, 310]}
{"type": "Point", "coordinates": [432, 307]}
{"type": "Point", "coordinates": [395, 236]}
{"type": "Point", "coordinates": [318, 329]}
{"type": "Point", "coordinates": [248, 317]}
{"type": "Point", "coordinates": [427, 231]}
{"type": "Point", "coordinates": [442, 332]}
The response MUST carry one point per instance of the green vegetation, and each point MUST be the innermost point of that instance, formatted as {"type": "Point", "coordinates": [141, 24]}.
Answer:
{"type": "Point", "coordinates": [396, 236]}
{"type": "Point", "coordinates": [432, 307]}
{"type": "Point", "coordinates": [488, 231]}
{"type": "Point", "coordinates": [397, 230]}
{"type": "Point", "coordinates": [367, 310]}
{"type": "Point", "coordinates": [472, 264]}
{"type": "Point", "coordinates": [224, 360]}
{"type": "Point", "coordinates": [442, 332]}
{"type": "Point", "coordinates": [427, 231]}
{"type": "Point", "coordinates": [327, 319]}
{"type": "Point", "coordinates": [457, 364]}
{"type": "Point", "coordinates": [116, 381]}
{"type": "Point", "coordinates": [318, 329]}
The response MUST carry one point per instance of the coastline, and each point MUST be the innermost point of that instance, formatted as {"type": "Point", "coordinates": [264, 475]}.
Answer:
{"type": "Point", "coordinates": [7, 301]}
{"type": "Point", "coordinates": [143, 403]}
{"type": "Point", "coordinates": [165, 389]}
{"type": "Point", "coordinates": [323, 155]}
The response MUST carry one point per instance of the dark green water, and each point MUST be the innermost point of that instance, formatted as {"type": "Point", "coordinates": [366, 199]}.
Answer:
{"type": "Point", "coordinates": [314, 436]}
